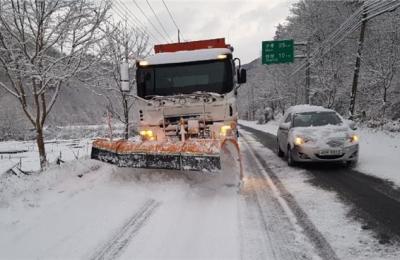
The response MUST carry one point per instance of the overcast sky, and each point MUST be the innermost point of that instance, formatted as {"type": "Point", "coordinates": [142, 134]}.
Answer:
{"type": "Point", "coordinates": [243, 23]}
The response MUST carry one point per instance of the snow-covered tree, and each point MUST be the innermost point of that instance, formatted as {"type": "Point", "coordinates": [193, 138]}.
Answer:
{"type": "Point", "coordinates": [122, 44]}
{"type": "Point", "coordinates": [43, 44]}
{"type": "Point", "coordinates": [381, 65]}
{"type": "Point", "coordinates": [378, 94]}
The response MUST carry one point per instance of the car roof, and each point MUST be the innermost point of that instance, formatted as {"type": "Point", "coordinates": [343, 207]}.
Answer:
{"type": "Point", "coordinates": [307, 108]}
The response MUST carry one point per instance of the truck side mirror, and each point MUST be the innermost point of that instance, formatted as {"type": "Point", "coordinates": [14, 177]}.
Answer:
{"type": "Point", "coordinates": [124, 70]}
{"type": "Point", "coordinates": [242, 76]}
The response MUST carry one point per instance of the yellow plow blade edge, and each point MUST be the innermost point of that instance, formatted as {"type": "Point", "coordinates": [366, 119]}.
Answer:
{"type": "Point", "coordinates": [193, 154]}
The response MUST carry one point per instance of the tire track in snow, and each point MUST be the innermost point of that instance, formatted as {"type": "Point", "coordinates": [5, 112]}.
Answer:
{"type": "Point", "coordinates": [115, 246]}
{"type": "Point", "coordinates": [278, 239]}
{"type": "Point", "coordinates": [293, 209]}
{"type": "Point", "coordinates": [282, 237]}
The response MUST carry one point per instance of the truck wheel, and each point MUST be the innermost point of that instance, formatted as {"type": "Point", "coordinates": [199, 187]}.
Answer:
{"type": "Point", "coordinates": [290, 160]}
{"type": "Point", "coordinates": [279, 151]}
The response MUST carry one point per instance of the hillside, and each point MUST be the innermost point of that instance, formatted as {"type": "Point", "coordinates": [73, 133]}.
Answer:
{"type": "Point", "coordinates": [75, 106]}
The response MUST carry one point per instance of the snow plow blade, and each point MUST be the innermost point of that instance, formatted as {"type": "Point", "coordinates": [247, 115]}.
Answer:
{"type": "Point", "coordinates": [191, 155]}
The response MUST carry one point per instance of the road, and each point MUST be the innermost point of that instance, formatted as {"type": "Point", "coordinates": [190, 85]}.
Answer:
{"type": "Point", "coordinates": [91, 210]}
{"type": "Point", "coordinates": [373, 199]}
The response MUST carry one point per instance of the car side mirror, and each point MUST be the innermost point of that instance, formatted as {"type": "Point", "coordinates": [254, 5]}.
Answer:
{"type": "Point", "coordinates": [284, 126]}
{"type": "Point", "coordinates": [352, 125]}
{"type": "Point", "coordinates": [242, 76]}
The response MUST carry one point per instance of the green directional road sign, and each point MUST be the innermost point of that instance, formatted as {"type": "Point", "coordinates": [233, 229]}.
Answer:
{"type": "Point", "coordinates": [274, 52]}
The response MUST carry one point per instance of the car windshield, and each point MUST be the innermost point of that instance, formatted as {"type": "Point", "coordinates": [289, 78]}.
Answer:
{"type": "Point", "coordinates": [165, 80]}
{"type": "Point", "coordinates": [322, 118]}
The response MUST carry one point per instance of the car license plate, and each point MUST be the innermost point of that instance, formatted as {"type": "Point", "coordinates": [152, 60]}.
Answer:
{"type": "Point", "coordinates": [331, 152]}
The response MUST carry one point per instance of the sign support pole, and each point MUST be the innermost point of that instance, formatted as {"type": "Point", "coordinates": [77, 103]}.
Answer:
{"type": "Point", "coordinates": [308, 74]}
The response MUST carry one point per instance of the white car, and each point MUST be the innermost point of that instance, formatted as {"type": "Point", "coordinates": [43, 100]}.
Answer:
{"type": "Point", "coordinates": [316, 134]}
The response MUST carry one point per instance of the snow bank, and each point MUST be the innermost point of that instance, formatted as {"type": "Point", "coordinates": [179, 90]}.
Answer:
{"type": "Point", "coordinates": [380, 154]}
{"type": "Point", "coordinates": [270, 127]}
{"type": "Point", "coordinates": [28, 186]}
{"type": "Point", "coordinates": [28, 157]}
{"type": "Point", "coordinates": [5, 166]}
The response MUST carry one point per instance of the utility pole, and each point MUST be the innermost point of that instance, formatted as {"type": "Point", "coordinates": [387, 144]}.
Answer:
{"type": "Point", "coordinates": [358, 65]}
{"type": "Point", "coordinates": [179, 35]}
{"type": "Point", "coordinates": [308, 74]}
{"type": "Point", "coordinates": [253, 112]}
{"type": "Point", "coordinates": [124, 95]}
{"type": "Point", "coordinates": [124, 78]}
{"type": "Point", "coordinates": [308, 69]}
{"type": "Point", "coordinates": [365, 17]}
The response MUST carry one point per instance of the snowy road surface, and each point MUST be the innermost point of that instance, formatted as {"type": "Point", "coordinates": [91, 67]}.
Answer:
{"type": "Point", "coordinates": [89, 210]}
{"type": "Point", "coordinates": [379, 150]}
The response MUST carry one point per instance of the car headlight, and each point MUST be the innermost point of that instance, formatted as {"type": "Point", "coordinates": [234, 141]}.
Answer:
{"type": "Point", "coordinates": [354, 138]}
{"type": "Point", "coordinates": [298, 141]}
{"type": "Point", "coordinates": [148, 135]}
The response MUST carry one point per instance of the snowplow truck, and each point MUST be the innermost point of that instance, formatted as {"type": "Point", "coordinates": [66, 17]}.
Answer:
{"type": "Point", "coordinates": [187, 112]}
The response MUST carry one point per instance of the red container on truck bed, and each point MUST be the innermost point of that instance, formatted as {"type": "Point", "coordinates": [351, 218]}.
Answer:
{"type": "Point", "coordinates": [190, 46]}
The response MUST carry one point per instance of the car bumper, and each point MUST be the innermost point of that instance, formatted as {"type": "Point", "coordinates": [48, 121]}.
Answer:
{"type": "Point", "coordinates": [312, 154]}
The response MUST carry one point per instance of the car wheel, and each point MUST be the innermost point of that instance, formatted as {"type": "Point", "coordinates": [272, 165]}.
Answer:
{"type": "Point", "coordinates": [280, 152]}
{"type": "Point", "coordinates": [351, 164]}
{"type": "Point", "coordinates": [290, 160]}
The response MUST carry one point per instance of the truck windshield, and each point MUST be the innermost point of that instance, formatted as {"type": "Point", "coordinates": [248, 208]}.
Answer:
{"type": "Point", "coordinates": [165, 80]}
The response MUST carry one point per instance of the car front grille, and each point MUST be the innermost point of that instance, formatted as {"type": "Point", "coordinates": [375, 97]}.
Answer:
{"type": "Point", "coordinates": [335, 142]}
{"type": "Point", "coordinates": [329, 157]}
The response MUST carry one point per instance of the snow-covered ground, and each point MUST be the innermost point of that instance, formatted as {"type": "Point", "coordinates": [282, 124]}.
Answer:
{"type": "Point", "coordinates": [379, 150]}
{"type": "Point", "coordinates": [26, 153]}
{"type": "Point", "coordinates": [86, 209]}
{"type": "Point", "coordinates": [58, 214]}
{"type": "Point", "coordinates": [326, 211]}
{"type": "Point", "coordinates": [270, 127]}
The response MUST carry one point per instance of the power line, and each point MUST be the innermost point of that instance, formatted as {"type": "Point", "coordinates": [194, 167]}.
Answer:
{"type": "Point", "coordinates": [172, 18]}
{"type": "Point", "coordinates": [123, 17]}
{"type": "Point", "coordinates": [138, 21]}
{"type": "Point", "coordinates": [373, 8]}
{"type": "Point", "coordinates": [350, 25]}
{"type": "Point", "coordinates": [151, 23]}
{"type": "Point", "coordinates": [389, 8]}
{"type": "Point", "coordinates": [120, 12]}
{"type": "Point", "coordinates": [347, 27]}
{"type": "Point", "coordinates": [158, 20]}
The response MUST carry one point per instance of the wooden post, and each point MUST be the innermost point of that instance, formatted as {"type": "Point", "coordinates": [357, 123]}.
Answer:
{"type": "Point", "coordinates": [357, 66]}
{"type": "Point", "coordinates": [110, 125]}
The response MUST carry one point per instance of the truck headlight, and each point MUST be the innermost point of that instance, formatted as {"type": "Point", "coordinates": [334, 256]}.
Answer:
{"type": "Point", "coordinates": [148, 135]}
{"type": "Point", "coordinates": [226, 130]}
{"type": "Point", "coordinates": [222, 56]}
{"type": "Point", "coordinates": [143, 63]}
